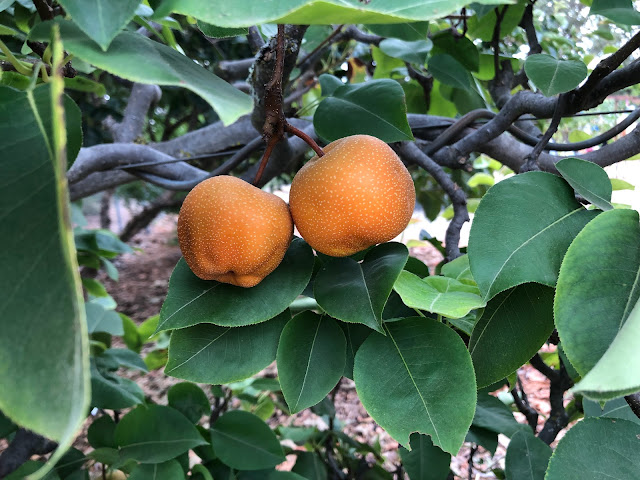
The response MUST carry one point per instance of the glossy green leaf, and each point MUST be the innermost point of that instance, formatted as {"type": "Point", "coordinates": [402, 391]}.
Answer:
{"type": "Point", "coordinates": [552, 76]}
{"type": "Point", "coordinates": [399, 379]}
{"type": "Point", "coordinates": [584, 445]}
{"type": "Point", "coordinates": [311, 359]}
{"type": "Point", "coordinates": [617, 372]}
{"type": "Point", "coordinates": [310, 466]}
{"type": "Point", "coordinates": [403, 31]}
{"type": "Point", "coordinates": [442, 295]}
{"type": "Point", "coordinates": [191, 301]}
{"type": "Point", "coordinates": [357, 292]}
{"type": "Point", "coordinates": [527, 457]}
{"type": "Point", "coordinates": [101, 432]}
{"type": "Point", "coordinates": [516, 220]}
{"type": "Point", "coordinates": [214, 31]}
{"type": "Point", "coordinates": [493, 415]}
{"type": "Point", "coordinates": [244, 13]}
{"type": "Point", "coordinates": [618, 408]}
{"type": "Point", "coordinates": [162, 66]}
{"type": "Point", "coordinates": [598, 286]}
{"type": "Point", "coordinates": [38, 258]}
{"type": "Point", "coordinates": [412, 52]}
{"type": "Point", "coordinates": [458, 269]}
{"type": "Point", "coordinates": [170, 470]}
{"type": "Point", "coordinates": [449, 71]}
{"type": "Point", "coordinates": [155, 434]}
{"type": "Point", "coordinates": [620, 11]}
{"type": "Point", "coordinates": [101, 19]}
{"type": "Point", "coordinates": [460, 48]}
{"type": "Point", "coordinates": [483, 25]}
{"type": "Point", "coordinates": [190, 400]}
{"type": "Point", "coordinates": [243, 441]}
{"type": "Point", "coordinates": [425, 461]}
{"type": "Point", "coordinates": [376, 108]}
{"type": "Point", "coordinates": [208, 353]}
{"type": "Point", "coordinates": [123, 357]}
{"type": "Point", "coordinates": [355, 335]}
{"type": "Point", "coordinates": [513, 327]}
{"type": "Point", "coordinates": [101, 320]}
{"type": "Point", "coordinates": [587, 179]}
{"type": "Point", "coordinates": [112, 391]}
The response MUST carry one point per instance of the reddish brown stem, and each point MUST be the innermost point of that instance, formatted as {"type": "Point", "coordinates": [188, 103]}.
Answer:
{"type": "Point", "coordinates": [275, 124]}
{"type": "Point", "coordinates": [310, 141]}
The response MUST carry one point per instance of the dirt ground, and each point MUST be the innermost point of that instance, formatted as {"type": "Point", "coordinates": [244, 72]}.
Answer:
{"type": "Point", "coordinates": [144, 277]}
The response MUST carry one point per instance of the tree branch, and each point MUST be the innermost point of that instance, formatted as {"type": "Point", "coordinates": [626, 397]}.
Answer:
{"type": "Point", "coordinates": [410, 152]}
{"type": "Point", "coordinates": [25, 444]}
{"type": "Point", "coordinates": [523, 405]}
{"type": "Point", "coordinates": [633, 401]}
{"type": "Point", "coordinates": [133, 121]}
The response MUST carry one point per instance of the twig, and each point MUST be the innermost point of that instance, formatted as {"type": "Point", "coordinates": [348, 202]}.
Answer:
{"type": "Point", "coordinates": [526, 22]}
{"type": "Point", "coordinates": [560, 382]}
{"type": "Point", "coordinates": [532, 160]}
{"type": "Point", "coordinates": [459, 200]}
{"type": "Point", "coordinates": [275, 124]}
{"type": "Point", "coordinates": [495, 41]}
{"type": "Point", "coordinates": [472, 452]}
{"type": "Point", "coordinates": [523, 405]}
{"type": "Point", "coordinates": [425, 81]}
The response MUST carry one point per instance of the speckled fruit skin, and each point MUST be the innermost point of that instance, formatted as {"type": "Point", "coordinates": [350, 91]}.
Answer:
{"type": "Point", "coordinates": [355, 196]}
{"type": "Point", "coordinates": [233, 232]}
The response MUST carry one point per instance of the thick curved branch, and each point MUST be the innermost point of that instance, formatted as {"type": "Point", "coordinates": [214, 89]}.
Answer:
{"type": "Point", "coordinates": [25, 444]}
{"type": "Point", "coordinates": [133, 121]}
{"type": "Point", "coordinates": [410, 152]}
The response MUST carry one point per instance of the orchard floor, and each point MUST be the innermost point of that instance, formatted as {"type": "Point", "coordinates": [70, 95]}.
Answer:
{"type": "Point", "coordinates": [144, 277]}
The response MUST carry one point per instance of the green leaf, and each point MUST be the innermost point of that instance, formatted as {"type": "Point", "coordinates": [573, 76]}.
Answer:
{"type": "Point", "coordinates": [617, 373]}
{"type": "Point", "coordinates": [587, 179]}
{"type": "Point", "coordinates": [170, 470]}
{"type": "Point", "coordinates": [618, 184]}
{"type": "Point", "coordinates": [311, 359]}
{"type": "Point", "coordinates": [155, 434]}
{"type": "Point", "coordinates": [527, 457]}
{"type": "Point", "coordinates": [481, 179]}
{"type": "Point", "coordinates": [400, 377]}
{"type": "Point", "coordinates": [162, 66]}
{"type": "Point", "coordinates": [40, 284]}
{"type": "Point", "coordinates": [101, 320]}
{"type": "Point", "coordinates": [460, 48]}
{"type": "Point", "coordinates": [208, 353]}
{"type": "Point", "coordinates": [101, 19]}
{"type": "Point", "coordinates": [403, 31]}
{"type": "Point", "coordinates": [436, 294]}
{"type": "Point", "coordinates": [357, 292]}
{"type": "Point", "coordinates": [483, 24]}
{"type": "Point", "coordinates": [513, 327]}
{"type": "Point", "coordinates": [412, 52]}
{"type": "Point", "coordinates": [111, 391]}
{"type": "Point", "coordinates": [123, 357]}
{"type": "Point", "coordinates": [483, 437]}
{"type": "Point", "coordinates": [355, 335]}
{"type": "Point", "coordinates": [101, 432]}
{"type": "Point", "coordinates": [243, 441]}
{"type": "Point", "coordinates": [598, 286]}
{"type": "Point", "coordinates": [244, 13]}
{"type": "Point", "coordinates": [376, 107]}
{"type": "Point", "coordinates": [190, 400]}
{"type": "Point", "coordinates": [458, 269]}
{"type": "Point", "coordinates": [620, 11]}
{"type": "Point", "coordinates": [214, 31]}
{"type": "Point", "coordinates": [492, 414]}
{"type": "Point", "coordinates": [191, 301]}
{"type": "Point", "coordinates": [552, 76]}
{"type": "Point", "coordinates": [518, 218]}
{"type": "Point", "coordinates": [329, 83]}
{"type": "Point", "coordinates": [310, 466]}
{"type": "Point", "coordinates": [425, 461]}
{"type": "Point", "coordinates": [618, 408]}
{"type": "Point", "coordinates": [449, 71]}
{"type": "Point", "coordinates": [583, 446]}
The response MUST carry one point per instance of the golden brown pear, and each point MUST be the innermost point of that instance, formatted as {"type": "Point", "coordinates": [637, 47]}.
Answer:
{"type": "Point", "coordinates": [355, 196]}
{"type": "Point", "coordinates": [233, 232]}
